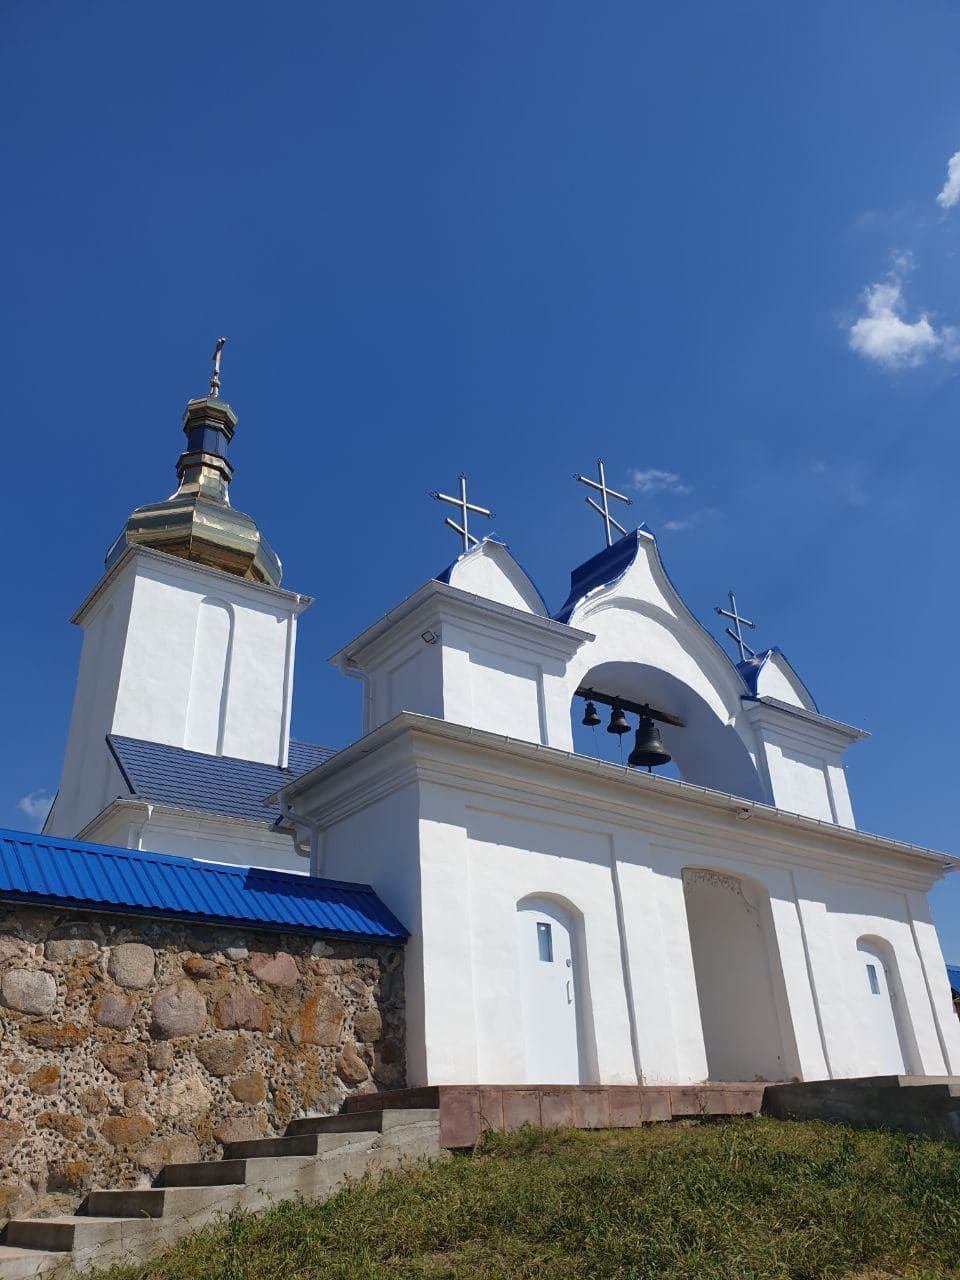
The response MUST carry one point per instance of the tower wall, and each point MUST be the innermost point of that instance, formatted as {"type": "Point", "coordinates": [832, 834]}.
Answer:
{"type": "Point", "coordinates": [182, 654]}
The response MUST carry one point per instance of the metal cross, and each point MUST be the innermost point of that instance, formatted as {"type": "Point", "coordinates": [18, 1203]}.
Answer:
{"type": "Point", "coordinates": [734, 632]}
{"type": "Point", "coordinates": [603, 506]}
{"type": "Point", "coordinates": [465, 506]}
{"type": "Point", "coordinates": [215, 380]}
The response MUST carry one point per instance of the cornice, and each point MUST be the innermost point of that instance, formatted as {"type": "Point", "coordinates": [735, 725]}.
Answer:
{"type": "Point", "coordinates": [176, 566]}
{"type": "Point", "coordinates": [465, 607]}
{"type": "Point", "coordinates": [799, 722]}
{"type": "Point", "coordinates": [531, 774]}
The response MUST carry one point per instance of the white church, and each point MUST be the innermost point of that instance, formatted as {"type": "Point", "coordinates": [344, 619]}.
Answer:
{"type": "Point", "coordinates": [572, 920]}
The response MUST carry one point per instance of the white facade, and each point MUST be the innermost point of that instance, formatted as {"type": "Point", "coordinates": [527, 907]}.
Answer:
{"type": "Point", "coordinates": [716, 924]}
{"type": "Point", "coordinates": [178, 653]}
{"type": "Point", "coordinates": [457, 828]}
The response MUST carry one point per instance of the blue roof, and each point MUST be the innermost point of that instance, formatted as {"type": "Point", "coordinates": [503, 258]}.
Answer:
{"type": "Point", "coordinates": [50, 870]}
{"type": "Point", "coordinates": [750, 669]}
{"type": "Point", "coordinates": [953, 973]}
{"type": "Point", "coordinates": [165, 775]}
{"type": "Point", "coordinates": [608, 565]}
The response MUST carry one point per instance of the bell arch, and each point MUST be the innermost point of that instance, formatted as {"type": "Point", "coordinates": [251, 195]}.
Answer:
{"type": "Point", "coordinates": [706, 750]}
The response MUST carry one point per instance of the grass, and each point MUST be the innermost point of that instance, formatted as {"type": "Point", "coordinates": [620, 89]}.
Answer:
{"type": "Point", "coordinates": [745, 1200]}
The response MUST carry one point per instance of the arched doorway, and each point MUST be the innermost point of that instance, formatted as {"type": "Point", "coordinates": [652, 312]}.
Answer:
{"type": "Point", "coordinates": [548, 984]}
{"type": "Point", "coordinates": [746, 1030]}
{"type": "Point", "coordinates": [878, 996]}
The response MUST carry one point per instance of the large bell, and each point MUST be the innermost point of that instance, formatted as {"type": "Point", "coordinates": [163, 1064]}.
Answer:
{"type": "Point", "coordinates": [590, 717]}
{"type": "Point", "coordinates": [648, 748]}
{"type": "Point", "coordinates": [619, 723]}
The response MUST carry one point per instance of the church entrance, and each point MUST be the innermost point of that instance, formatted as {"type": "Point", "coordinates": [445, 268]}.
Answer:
{"type": "Point", "coordinates": [548, 989]}
{"type": "Point", "coordinates": [737, 978]}
{"type": "Point", "coordinates": [878, 998]}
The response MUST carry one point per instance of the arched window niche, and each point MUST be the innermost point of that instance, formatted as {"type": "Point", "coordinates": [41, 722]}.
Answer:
{"type": "Point", "coordinates": [706, 750]}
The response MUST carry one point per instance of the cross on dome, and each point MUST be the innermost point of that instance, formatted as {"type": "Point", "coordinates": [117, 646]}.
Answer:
{"type": "Point", "coordinates": [465, 507]}
{"type": "Point", "coordinates": [215, 380]}
{"type": "Point", "coordinates": [603, 506]}
{"type": "Point", "coordinates": [735, 633]}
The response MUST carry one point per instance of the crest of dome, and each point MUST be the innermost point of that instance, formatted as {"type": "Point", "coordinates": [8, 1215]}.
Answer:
{"type": "Point", "coordinates": [197, 521]}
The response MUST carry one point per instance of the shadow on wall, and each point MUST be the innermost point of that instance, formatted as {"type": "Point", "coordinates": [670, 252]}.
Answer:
{"type": "Point", "coordinates": [706, 751]}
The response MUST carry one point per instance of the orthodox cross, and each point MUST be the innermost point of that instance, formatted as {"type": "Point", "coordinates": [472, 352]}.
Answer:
{"type": "Point", "coordinates": [734, 632]}
{"type": "Point", "coordinates": [603, 506]}
{"type": "Point", "coordinates": [465, 506]}
{"type": "Point", "coordinates": [215, 380]}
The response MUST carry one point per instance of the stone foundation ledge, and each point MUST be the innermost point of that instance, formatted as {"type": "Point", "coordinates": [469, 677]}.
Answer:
{"type": "Point", "coordinates": [467, 1111]}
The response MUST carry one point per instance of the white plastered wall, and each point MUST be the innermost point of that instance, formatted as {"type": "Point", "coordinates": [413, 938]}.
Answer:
{"type": "Point", "coordinates": [208, 837]}
{"type": "Point", "coordinates": [473, 839]}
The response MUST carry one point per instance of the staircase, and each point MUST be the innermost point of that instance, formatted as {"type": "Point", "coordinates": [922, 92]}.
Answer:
{"type": "Point", "coordinates": [313, 1160]}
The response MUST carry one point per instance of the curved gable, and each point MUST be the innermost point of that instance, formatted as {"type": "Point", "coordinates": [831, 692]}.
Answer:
{"type": "Point", "coordinates": [490, 571]}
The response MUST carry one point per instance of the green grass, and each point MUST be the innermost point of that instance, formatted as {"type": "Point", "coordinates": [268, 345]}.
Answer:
{"type": "Point", "coordinates": [744, 1200]}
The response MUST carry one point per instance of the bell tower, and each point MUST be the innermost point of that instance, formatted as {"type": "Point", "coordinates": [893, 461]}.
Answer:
{"type": "Point", "coordinates": [189, 639]}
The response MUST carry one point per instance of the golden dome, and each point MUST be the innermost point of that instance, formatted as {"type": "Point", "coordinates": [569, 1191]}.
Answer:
{"type": "Point", "coordinates": [197, 522]}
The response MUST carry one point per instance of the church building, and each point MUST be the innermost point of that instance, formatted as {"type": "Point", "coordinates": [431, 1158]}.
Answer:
{"type": "Point", "coordinates": [571, 920]}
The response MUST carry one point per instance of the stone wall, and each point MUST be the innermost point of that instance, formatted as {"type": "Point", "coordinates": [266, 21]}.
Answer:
{"type": "Point", "coordinates": [127, 1043]}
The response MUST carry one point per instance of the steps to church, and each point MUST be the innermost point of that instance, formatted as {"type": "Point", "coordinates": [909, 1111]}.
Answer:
{"type": "Point", "coordinates": [313, 1160]}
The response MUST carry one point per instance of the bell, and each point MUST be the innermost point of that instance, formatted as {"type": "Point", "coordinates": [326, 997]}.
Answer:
{"type": "Point", "coordinates": [648, 748]}
{"type": "Point", "coordinates": [619, 723]}
{"type": "Point", "coordinates": [590, 717]}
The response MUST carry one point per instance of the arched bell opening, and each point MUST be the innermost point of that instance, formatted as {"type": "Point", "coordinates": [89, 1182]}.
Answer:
{"type": "Point", "coordinates": [702, 748]}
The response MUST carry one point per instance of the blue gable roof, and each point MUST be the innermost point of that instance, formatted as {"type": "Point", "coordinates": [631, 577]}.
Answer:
{"type": "Point", "coordinates": [53, 871]}
{"type": "Point", "coordinates": [606, 566]}
{"type": "Point", "coordinates": [165, 775]}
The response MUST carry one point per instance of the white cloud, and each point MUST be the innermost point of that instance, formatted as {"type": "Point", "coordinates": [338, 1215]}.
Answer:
{"type": "Point", "coordinates": [950, 194]}
{"type": "Point", "coordinates": [654, 481]}
{"type": "Point", "coordinates": [882, 334]}
{"type": "Point", "coordinates": [36, 805]}
{"type": "Point", "coordinates": [691, 521]}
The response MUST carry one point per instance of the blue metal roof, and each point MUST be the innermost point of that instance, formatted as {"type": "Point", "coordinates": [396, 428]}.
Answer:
{"type": "Point", "coordinates": [953, 973]}
{"type": "Point", "coordinates": [165, 775]}
{"type": "Point", "coordinates": [750, 669]}
{"type": "Point", "coordinates": [50, 870]}
{"type": "Point", "coordinates": [608, 565]}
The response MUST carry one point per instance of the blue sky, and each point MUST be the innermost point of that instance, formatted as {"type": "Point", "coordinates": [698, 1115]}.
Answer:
{"type": "Point", "coordinates": [704, 241]}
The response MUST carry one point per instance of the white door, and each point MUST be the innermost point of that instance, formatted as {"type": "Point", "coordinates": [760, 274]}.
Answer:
{"type": "Point", "coordinates": [885, 1052]}
{"type": "Point", "coordinates": [548, 988]}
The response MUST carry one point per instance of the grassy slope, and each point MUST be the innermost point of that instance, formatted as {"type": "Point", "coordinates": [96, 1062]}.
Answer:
{"type": "Point", "coordinates": [744, 1200]}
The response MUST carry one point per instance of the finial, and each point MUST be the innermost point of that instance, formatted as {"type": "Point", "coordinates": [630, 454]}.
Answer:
{"type": "Point", "coordinates": [215, 380]}
{"type": "Point", "coordinates": [605, 494]}
{"type": "Point", "coordinates": [734, 632]}
{"type": "Point", "coordinates": [465, 506]}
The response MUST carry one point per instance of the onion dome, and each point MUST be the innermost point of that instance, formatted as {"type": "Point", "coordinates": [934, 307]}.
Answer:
{"type": "Point", "coordinates": [197, 521]}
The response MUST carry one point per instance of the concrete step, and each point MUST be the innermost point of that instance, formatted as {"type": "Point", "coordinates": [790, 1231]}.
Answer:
{"type": "Point", "coordinates": [234, 1169]}
{"type": "Point", "coordinates": [31, 1264]}
{"type": "Point", "coordinates": [71, 1231]}
{"type": "Point", "coordinates": [155, 1202]}
{"type": "Point", "coordinates": [382, 1121]}
{"type": "Point", "coordinates": [304, 1144]}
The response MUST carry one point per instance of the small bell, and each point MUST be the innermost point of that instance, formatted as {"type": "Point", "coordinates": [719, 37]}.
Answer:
{"type": "Point", "coordinates": [619, 723]}
{"type": "Point", "coordinates": [648, 748]}
{"type": "Point", "coordinates": [590, 717]}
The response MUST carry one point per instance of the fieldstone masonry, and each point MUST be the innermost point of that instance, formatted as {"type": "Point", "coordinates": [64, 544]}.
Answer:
{"type": "Point", "coordinates": [128, 1043]}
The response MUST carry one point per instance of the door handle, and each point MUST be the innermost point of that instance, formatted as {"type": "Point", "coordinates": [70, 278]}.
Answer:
{"type": "Point", "coordinates": [569, 992]}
